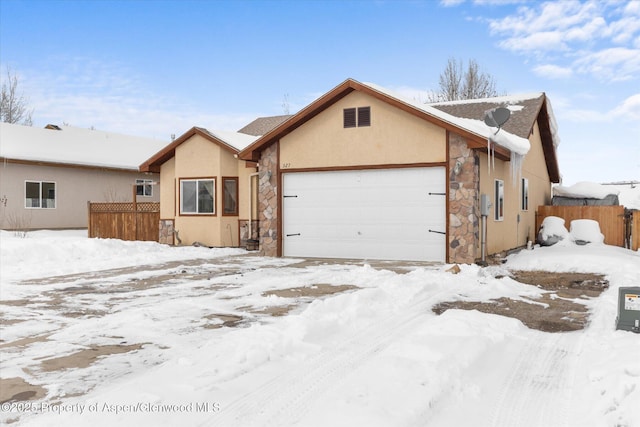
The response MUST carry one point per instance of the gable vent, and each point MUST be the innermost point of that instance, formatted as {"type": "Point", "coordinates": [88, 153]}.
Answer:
{"type": "Point", "coordinates": [364, 116]}
{"type": "Point", "coordinates": [349, 117]}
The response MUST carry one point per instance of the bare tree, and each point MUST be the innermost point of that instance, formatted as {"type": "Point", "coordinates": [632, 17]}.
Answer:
{"type": "Point", "coordinates": [456, 83]}
{"type": "Point", "coordinates": [14, 107]}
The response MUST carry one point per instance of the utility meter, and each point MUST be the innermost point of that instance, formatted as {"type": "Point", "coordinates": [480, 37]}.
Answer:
{"type": "Point", "coordinates": [629, 309]}
{"type": "Point", "coordinates": [485, 205]}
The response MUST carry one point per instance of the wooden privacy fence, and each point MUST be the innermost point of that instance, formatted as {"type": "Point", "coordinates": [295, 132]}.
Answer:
{"type": "Point", "coordinates": [635, 229]}
{"type": "Point", "coordinates": [610, 218]}
{"type": "Point", "coordinates": [124, 220]}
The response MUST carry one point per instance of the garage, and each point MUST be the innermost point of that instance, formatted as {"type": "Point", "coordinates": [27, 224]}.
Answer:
{"type": "Point", "coordinates": [388, 214]}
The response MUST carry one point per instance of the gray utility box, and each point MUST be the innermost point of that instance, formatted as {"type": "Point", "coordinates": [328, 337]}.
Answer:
{"type": "Point", "coordinates": [629, 309]}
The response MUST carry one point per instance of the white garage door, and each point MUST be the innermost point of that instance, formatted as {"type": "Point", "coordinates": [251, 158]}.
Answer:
{"type": "Point", "coordinates": [394, 214]}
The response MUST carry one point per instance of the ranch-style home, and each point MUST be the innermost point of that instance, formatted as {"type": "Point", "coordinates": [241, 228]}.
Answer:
{"type": "Point", "coordinates": [48, 175]}
{"type": "Point", "coordinates": [365, 173]}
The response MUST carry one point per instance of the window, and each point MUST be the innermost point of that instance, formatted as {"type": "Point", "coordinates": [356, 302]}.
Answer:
{"type": "Point", "coordinates": [40, 194]}
{"type": "Point", "coordinates": [229, 196]}
{"type": "Point", "coordinates": [144, 187]}
{"type": "Point", "coordinates": [524, 197]}
{"type": "Point", "coordinates": [357, 117]}
{"type": "Point", "coordinates": [499, 200]}
{"type": "Point", "coordinates": [197, 196]}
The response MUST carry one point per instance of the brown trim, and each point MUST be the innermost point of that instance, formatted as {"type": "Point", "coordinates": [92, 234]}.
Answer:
{"type": "Point", "coordinates": [546, 137]}
{"type": "Point", "coordinates": [237, 180]}
{"type": "Point", "coordinates": [215, 196]}
{"type": "Point", "coordinates": [175, 196]}
{"type": "Point", "coordinates": [339, 92]}
{"type": "Point", "coordinates": [446, 203]}
{"type": "Point", "coordinates": [67, 165]}
{"type": "Point", "coordinates": [365, 167]}
{"type": "Point", "coordinates": [249, 164]}
{"type": "Point", "coordinates": [153, 164]}
{"type": "Point", "coordinates": [279, 201]}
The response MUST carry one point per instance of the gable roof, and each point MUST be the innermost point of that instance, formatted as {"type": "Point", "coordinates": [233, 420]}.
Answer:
{"type": "Point", "coordinates": [525, 110]}
{"type": "Point", "coordinates": [471, 127]}
{"type": "Point", "coordinates": [230, 141]}
{"type": "Point", "coordinates": [262, 125]}
{"type": "Point", "coordinates": [67, 145]}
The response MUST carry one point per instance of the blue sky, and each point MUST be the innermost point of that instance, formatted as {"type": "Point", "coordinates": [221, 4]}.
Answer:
{"type": "Point", "coordinates": [156, 68]}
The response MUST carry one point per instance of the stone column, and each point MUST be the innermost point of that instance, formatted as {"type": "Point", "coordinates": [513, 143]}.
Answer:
{"type": "Point", "coordinates": [268, 200]}
{"type": "Point", "coordinates": [464, 209]}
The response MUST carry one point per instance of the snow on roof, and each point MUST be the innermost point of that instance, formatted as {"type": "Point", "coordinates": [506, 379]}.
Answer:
{"type": "Point", "coordinates": [506, 99]}
{"type": "Point", "coordinates": [76, 146]}
{"type": "Point", "coordinates": [587, 190]}
{"type": "Point", "coordinates": [505, 139]}
{"type": "Point", "coordinates": [237, 140]}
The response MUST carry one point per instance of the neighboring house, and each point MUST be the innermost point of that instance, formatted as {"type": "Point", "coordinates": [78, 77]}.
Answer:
{"type": "Point", "coordinates": [48, 175]}
{"type": "Point", "coordinates": [364, 173]}
{"type": "Point", "coordinates": [206, 189]}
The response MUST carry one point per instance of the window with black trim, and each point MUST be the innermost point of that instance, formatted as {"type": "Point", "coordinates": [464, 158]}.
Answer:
{"type": "Point", "coordinates": [144, 187]}
{"type": "Point", "coordinates": [229, 196]}
{"type": "Point", "coordinates": [357, 117]}
{"type": "Point", "coordinates": [499, 200]}
{"type": "Point", "coordinates": [39, 195]}
{"type": "Point", "coordinates": [197, 196]}
{"type": "Point", "coordinates": [524, 196]}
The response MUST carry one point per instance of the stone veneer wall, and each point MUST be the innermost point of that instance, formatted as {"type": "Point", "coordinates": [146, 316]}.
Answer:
{"type": "Point", "coordinates": [166, 228]}
{"type": "Point", "coordinates": [464, 209]}
{"type": "Point", "coordinates": [268, 201]}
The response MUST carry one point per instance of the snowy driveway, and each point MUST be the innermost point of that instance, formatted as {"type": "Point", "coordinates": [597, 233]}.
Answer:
{"type": "Point", "coordinates": [230, 339]}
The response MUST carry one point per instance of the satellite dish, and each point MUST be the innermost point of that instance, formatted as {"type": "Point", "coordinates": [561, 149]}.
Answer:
{"type": "Point", "coordinates": [496, 117]}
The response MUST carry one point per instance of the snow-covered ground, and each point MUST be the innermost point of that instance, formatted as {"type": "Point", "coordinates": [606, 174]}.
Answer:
{"type": "Point", "coordinates": [375, 356]}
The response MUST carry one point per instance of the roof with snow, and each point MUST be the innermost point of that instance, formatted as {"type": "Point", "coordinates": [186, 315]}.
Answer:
{"type": "Point", "coordinates": [231, 141]}
{"type": "Point", "coordinates": [464, 118]}
{"type": "Point", "coordinates": [262, 125]}
{"type": "Point", "coordinates": [67, 145]}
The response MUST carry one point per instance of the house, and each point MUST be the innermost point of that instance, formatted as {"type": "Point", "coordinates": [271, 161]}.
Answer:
{"type": "Point", "coordinates": [365, 173]}
{"type": "Point", "coordinates": [205, 197]}
{"type": "Point", "coordinates": [48, 175]}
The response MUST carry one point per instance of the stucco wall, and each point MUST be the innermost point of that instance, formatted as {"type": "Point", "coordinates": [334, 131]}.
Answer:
{"type": "Point", "coordinates": [394, 137]}
{"type": "Point", "coordinates": [518, 226]}
{"type": "Point", "coordinates": [74, 188]}
{"type": "Point", "coordinates": [198, 157]}
{"type": "Point", "coordinates": [168, 186]}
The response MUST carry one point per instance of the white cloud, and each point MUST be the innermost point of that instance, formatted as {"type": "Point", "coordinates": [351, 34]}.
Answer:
{"type": "Point", "coordinates": [536, 42]}
{"type": "Point", "coordinates": [629, 109]}
{"type": "Point", "coordinates": [109, 96]}
{"type": "Point", "coordinates": [615, 64]}
{"type": "Point", "coordinates": [553, 71]}
{"type": "Point", "coordinates": [591, 37]}
{"type": "Point", "coordinates": [450, 3]}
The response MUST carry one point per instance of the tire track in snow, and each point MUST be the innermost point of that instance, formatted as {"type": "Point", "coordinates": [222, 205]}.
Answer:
{"type": "Point", "coordinates": [538, 386]}
{"type": "Point", "coordinates": [286, 398]}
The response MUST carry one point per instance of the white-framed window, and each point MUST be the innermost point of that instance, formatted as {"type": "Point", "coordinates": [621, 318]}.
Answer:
{"type": "Point", "coordinates": [39, 195]}
{"type": "Point", "coordinates": [198, 196]}
{"type": "Point", "coordinates": [498, 200]}
{"type": "Point", "coordinates": [144, 187]}
{"type": "Point", "coordinates": [524, 195]}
